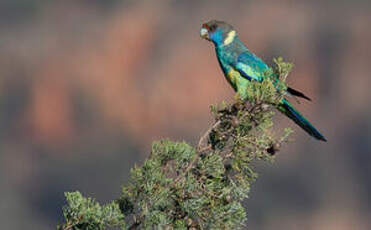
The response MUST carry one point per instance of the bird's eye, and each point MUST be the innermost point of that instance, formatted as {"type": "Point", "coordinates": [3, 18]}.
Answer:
{"type": "Point", "coordinates": [212, 28]}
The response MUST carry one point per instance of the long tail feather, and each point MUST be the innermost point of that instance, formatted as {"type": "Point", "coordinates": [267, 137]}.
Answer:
{"type": "Point", "coordinates": [297, 93]}
{"type": "Point", "coordinates": [300, 120]}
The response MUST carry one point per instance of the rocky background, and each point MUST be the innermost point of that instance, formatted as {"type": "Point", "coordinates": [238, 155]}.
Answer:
{"type": "Point", "coordinates": [86, 86]}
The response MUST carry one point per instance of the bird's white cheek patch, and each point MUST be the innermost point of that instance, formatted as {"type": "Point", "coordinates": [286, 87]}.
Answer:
{"type": "Point", "coordinates": [203, 32]}
{"type": "Point", "coordinates": [230, 37]}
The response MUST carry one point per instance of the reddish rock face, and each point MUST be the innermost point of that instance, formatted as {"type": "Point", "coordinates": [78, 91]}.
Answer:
{"type": "Point", "coordinates": [78, 79]}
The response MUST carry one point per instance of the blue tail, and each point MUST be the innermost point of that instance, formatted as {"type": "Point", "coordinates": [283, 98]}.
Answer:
{"type": "Point", "coordinates": [300, 120]}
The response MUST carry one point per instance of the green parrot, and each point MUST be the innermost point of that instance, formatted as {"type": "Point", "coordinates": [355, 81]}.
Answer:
{"type": "Point", "coordinates": [240, 66]}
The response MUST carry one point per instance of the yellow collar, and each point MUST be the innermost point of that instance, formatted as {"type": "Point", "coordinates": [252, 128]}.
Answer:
{"type": "Point", "coordinates": [230, 37]}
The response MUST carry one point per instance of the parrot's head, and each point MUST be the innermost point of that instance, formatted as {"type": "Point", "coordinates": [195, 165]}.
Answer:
{"type": "Point", "coordinates": [219, 32]}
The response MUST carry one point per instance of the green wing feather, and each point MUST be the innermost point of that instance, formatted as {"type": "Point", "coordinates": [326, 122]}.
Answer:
{"type": "Point", "coordinates": [250, 66]}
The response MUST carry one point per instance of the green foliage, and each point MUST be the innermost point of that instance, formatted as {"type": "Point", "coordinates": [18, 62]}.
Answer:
{"type": "Point", "coordinates": [202, 187]}
{"type": "Point", "coordinates": [281, 68]}
{"type": "Point", "coordinates": [86, 213]}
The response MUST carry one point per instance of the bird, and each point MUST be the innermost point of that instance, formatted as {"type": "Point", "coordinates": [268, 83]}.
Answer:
{"type": "Point", "coordinates": [240, 66]}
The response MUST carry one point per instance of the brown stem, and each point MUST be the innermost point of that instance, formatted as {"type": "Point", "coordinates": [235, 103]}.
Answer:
{"type": "Point", "coordinates": [206, 135]}
{"type": "Point", "coordinates": [199, 150]}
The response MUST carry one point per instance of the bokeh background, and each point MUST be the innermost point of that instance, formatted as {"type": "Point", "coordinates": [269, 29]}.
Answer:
{"type": "Point", "coordinates": [86, 86]}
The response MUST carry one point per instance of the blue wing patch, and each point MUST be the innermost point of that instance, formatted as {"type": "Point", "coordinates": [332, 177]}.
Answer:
{"type": "Point", "coordinates": [250, 66]}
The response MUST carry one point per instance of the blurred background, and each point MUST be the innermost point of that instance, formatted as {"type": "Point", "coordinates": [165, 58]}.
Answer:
{"type": "Point", "coordinates": [86, 86]}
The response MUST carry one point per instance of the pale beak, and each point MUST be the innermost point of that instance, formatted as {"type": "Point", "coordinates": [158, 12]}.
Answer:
{"type": "Point", "coordinates": [204, 33]}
